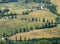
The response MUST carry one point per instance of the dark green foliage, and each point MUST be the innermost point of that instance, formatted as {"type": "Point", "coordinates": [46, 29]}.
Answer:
{"type": "Point", "coordinates": [37, 27]}
{"type": "Point", "coordinates": [6, 10]}
{"type": "Point", "coordinates": [33, 41]}
{"type": "Point", "coordinates": [4, 13]}
{"type": "Point", "coordinates": [16, 38]}
{"type": "Point", "coordinates": [45, 42]}
{"type": "Point", "coordinates": [43, 20]}
{"type": "Point", "coordinates": [20, 30]}
{"type": "Point", "coordinates": [25, 13]}
{"type": "Point", "coordinates": [53, 9]}
{"type": "Point", "coordinates": [58, 20]}
{"type": "Point", "coordinates": [24, 29]}
{"type": "Point", "coordinates": [38, 1]}
{"type": "Point", "coordinates": [13, 15]}
{"type": "Point", "coordinates": [25, 39]}
{"type": "Point", "coordinates": [15, 31]}
{"type": "Point", "coordinates": [36, 19]}
{"type": "Point", "coordinates": [31, 28]}
{"type": "Point", "coordinates": [20, 39]}
{"type": "Point", "coordinates": [4, 34]}
{"type": "Point", "coordinates": [27, 1]}
{"type": "Point", "coordinates": [33, 19]}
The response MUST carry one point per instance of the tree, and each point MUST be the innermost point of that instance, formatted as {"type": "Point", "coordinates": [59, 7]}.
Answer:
{"type": "Point", "coordinates": [53, 9]}
{"type": "Point", "coordinates": [4, 34]}
{"type": "Point", "coordinates": [33, 19]}
{"type": "Point", "coordinates": [43, 20]}
{"type": "Point", "coordinates": [11, 33]}
{"type": "Point", "coordinates": [20, 39]}
{"type": "Point", "coordinates": [16, 38]}
{"type": "Point", "coordinates": [58, 20]}
{"type": "Point", "coordinates": [27, 1]}
{"type": "Point", "coordinates": [49, 25]}
{"type": "Point", "coordinates": [20, 30]}
{"type": "Point", "coordinates": [37, 27]}
{"type": "Point", "coordinates": [45, 42]}
{"type": "Point", "coordinates": [24, 30]}
{"type": "Point", "coordinates": [25, 39]}
{"type": "Point", "coordinates": [16, 31]}
{"type": "Point", "coordinates": [6, 10]}
{"type": "Point", "coordinates": [15, 15]}
{"type": "Point", "coordinates": [52, 23]}
{"type": "Point", "coordinates": [6, 38]}
{"type": "Point", "coordinates": [36, 19]}
{"type": "Point", "coordinates": [0, 13]}
{"type": "Point", "coordinates": [31, 28]}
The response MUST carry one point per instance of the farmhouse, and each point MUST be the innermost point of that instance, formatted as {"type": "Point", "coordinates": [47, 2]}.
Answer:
{"type": "Point", "coordinates": [40, 6]}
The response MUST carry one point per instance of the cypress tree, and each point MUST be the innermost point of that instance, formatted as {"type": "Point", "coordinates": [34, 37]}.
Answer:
{"type": "Point", "coordinates": [24, 30]}
{"type": "Point", "coordinates": [52, 23]}
{"type": "Point", "coordinates": [16, 38]}
{"type": "Point", "coordinates": [36, 19]}
{"type": "Point", "coordinates": [49, 25]}
{"type": "Point", "coordinates": [33, 19]}
{"type": "Point", "coordinates": [39, 19]}
{"type": "Point", "coordinates": [11, 32]}
{"type": "Point", "coordinates": [20, 30]}
{"type": "Point", "coordinates": [20, 39]}
{"type": "Point", "coordinates": [31, 28]}
{"type": "Point", "coordinates": [15, 15]}
{"type": "Point", "coordinates": [43, 20]}
{"type": "Point", "coordinates": [6, 39]}
{"type": "Point", "coordinates": [4, 34]}
{"type": "Point", "coordinates": [25, 39]}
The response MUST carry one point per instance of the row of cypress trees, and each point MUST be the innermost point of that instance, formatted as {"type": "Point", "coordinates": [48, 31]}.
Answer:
{"type": "Point", "coordinates": [32, 41]}
{"type": "Point", "coordinates": [38, 1]}
{"type": "Point", "coordinates": [46, 24]}
{"type": "Point", "coordinates": [11, 15]}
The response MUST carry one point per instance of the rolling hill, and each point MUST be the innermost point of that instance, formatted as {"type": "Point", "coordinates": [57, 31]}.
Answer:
{"type": "Point", "coordinates": [8, 25]}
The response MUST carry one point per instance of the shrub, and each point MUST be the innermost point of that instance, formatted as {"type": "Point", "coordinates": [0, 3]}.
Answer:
{"type": "Point", "coordinates": [45, 42]}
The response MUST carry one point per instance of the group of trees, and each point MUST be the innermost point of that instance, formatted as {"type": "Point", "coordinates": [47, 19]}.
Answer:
{"type": "Point", "coordinates": [4, 14]}
{"type": "Point", "coordinates": [46, 24]}
{"type": "Point", "coordinates": [58, 19]}
{"type": "Point", "coordinates": [27, 29]}
{"type": "Point", "coordinates": [38, 1]}
{"type": "Point", "coordinates": [27, 12]}
{"type": "Point", "coordinates": [53, 9]}
{"type": "Point", "coordinates": [11, 15]}
{"type": "Point", "coordinates": [32, 41]}
{"type": "Point", "coordinates": [21, 30]}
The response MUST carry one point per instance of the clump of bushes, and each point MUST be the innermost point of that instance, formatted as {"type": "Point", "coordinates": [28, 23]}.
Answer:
{"type": "Point", "coordinates": [27, 12]}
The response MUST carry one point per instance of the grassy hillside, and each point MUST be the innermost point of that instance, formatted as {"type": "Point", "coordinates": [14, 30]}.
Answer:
{"type": "Point", "coordinates": [43, 14]}
{"type": "Point", "coordinates": [8, 25]}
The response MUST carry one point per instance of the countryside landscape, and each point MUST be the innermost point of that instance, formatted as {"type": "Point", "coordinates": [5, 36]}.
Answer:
{"type": "Point", "coordinates": [29, 21]}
